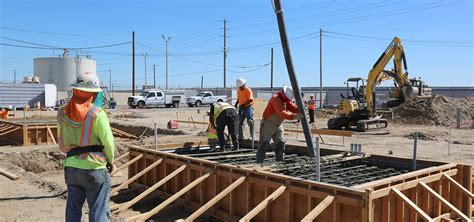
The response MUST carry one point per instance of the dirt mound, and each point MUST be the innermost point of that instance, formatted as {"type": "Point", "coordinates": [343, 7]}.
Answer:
{"type": "Point", "coordinates": [437, 110]}
{"type": "Point", "coordinates": [144, 130]}
{"type": "Point", "coordinates": [325, 113]}
{"type": "Point", "coordinates": [422, 136]}
{"type": "Point", "coordinates": [36, 161]}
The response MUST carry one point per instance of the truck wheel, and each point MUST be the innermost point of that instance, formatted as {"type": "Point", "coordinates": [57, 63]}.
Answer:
{"type": "Point", "coordinates": [175, 104]}
{"type": "Point", "coordinates": [220, 100]}
{"type": "Point", "coordinates": [168, 105]}
{"type": "Point", "coordinates": [190, 105]}
{"type": "Point", "coordinates": [141, 105]}
{"type": "Point", "coordinates": [198, 103]}
{"type": "Point", "coordinates": [133, 107]}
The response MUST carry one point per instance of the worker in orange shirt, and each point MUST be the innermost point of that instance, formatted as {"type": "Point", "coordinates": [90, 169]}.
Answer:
{"type": "Point", "coordinates": [279, 108]}
{"type": "Point", "coordinates": [4, 112]}
{"type": "Point", "coordinates": [245, 101]}
{"type": "Point", "coordinates": [311, 107]}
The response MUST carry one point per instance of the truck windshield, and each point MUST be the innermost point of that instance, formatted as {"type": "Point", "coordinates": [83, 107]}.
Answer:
{"type": "Point", "coordinates": [200, 94]}
{"type": "Point", "coordinates": [144, 94]}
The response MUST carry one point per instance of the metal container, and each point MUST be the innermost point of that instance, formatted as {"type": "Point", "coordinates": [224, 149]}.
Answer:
{"type": "Point", "coordinates": [27, 79]}
{"type": "Point", "coordinates": [62, 71]}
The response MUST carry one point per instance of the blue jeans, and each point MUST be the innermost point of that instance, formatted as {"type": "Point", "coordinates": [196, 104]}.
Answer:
{"type": "Point", "coordinates": [245, 114]}
{"type": "Point", "coordinates": [93, 185]}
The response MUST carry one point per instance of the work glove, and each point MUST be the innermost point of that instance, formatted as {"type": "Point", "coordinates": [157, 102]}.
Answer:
{"type": "Point", "coordinates": [110, 167]}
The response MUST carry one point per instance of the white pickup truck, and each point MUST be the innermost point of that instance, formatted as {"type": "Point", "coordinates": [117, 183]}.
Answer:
{"type": "Point", "coordinates": [204, 98]}
{"type": "Point", "coordinates": [156, 98]}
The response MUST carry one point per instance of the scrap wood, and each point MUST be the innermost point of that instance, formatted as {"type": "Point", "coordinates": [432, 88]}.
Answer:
{"type": "Point", "coordinates": [121, 133]}
{"type": "Point", "coordinates": [11, 176]}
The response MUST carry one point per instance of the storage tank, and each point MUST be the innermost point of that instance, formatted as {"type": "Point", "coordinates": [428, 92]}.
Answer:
{"type": "Point", "coordinates": [62, 71]}
{"type": "Point", "coordinates": [28, 79]}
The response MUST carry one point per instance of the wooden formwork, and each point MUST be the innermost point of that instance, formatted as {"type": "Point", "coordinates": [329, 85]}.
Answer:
{"type": "Point", "coordinates": [27, 134]}
{"type": "Point", "coordinates": [239, 194]}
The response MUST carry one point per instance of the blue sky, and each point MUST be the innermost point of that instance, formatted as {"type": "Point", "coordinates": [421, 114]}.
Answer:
{"type": "Point", "coordinates": [438, 38]}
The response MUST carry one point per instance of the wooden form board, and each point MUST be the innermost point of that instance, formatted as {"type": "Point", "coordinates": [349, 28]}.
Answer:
{"type": "Point", "coordinates": [373, 201]}
{"type": "Point", "coordinates": [387, 207]}
{"type": "Point", "coordinates": [293, 203]}
{"type": "Point", "coordinates": [20, 134]}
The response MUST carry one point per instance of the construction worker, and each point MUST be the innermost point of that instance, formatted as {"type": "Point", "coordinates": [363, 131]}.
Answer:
{"type": "Point", "coordinates": [222, 115]}
{"type": "Point", "coordinates": [245, 101]}
{"type": "Point", "coordinates": [4, 112]}
{"type": "Point", "coordinates": [305, 102]}
{"type": "Point", "coordinates": [84, 134]}
{"type": "Point", "coordinates": [271, 126]}
{"type": "Point", "coordinates": [311, 107]}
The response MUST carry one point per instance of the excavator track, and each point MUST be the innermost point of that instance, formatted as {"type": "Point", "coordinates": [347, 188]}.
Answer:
{"type": "Point", "coordinates": [363, 125]}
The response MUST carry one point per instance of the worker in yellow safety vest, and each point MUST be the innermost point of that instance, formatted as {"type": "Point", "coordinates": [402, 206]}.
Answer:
{"type": "Point", "coordinates": [311, 108]}
{"type": "Point", "coordinates": [221, 115]}
{"type": "Point", "coordinates": [84, 133]}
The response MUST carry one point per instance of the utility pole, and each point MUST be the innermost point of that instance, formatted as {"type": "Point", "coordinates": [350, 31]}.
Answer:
{"type": "Point", "coordinates": [154, 76]}
{"type": "Point", "coordinates": [271, 72]}
{"type": "Point", "coordinates": [133, 63]}
{"type": "Point", "coordinates": [166, 41]}
{"type": "Point", "coordinates": [320, 68]}
{"type": "Point", "coordinates": [14, 76]}
{"type": "Point", "coordinates": [202, 80]}
{"type": "Point", "coordinates": [225, 51]}
{"type": "Point", "coordinates": [110, 79]}
{"type": "Point", "coordinates": [144, 56]}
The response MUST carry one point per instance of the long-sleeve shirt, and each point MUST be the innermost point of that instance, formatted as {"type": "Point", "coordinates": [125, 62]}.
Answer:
{"type": "Point", "coordinates": [69, 136]}
{"type": "Point", "coordinates": [276, 106]}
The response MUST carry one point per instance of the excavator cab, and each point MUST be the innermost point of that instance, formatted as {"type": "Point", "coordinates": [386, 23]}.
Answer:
{"type": "Point", "coordinates": [354, 99]}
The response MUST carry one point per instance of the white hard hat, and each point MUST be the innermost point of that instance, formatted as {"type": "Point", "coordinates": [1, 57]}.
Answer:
{"type": "Point", "coordinates": [288, 92]}
{"type": "Point", "coordinates": [241, 82]}
{"type": "Point", "coordinates": [88, 82]}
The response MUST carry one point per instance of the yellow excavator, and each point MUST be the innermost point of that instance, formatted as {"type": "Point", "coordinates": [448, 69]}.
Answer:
{"type": "Point", "coordinates": [358, 107]}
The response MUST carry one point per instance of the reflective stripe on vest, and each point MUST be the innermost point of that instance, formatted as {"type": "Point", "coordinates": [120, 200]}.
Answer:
{"type": "Point", "coordinates": [219, 107]}
{"type": "Point", "coordinates": [311, 104]}
{"type": "Point", "coordinates": [87, 125]}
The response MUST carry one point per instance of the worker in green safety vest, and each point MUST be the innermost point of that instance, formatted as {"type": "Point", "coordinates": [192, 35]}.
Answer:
{"type": "Point", "coordinates": [84, 134]}
{"type": "Point", "coordinates": [222, 115]}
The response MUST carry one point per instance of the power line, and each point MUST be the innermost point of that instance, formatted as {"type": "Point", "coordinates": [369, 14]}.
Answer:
{"type": "Point", "coordinates": [59, 33]}
{"type": "Point", "coordinates": [50, 48]}
{"type": "Point", "coordinates": [404, 40]}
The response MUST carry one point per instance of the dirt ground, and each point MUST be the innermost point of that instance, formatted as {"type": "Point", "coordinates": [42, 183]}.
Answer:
{"type": "Point", "coordinates": [39, 195]}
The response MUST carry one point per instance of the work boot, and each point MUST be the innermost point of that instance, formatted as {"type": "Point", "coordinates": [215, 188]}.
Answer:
{"type": "Point", "coordinates": [280, 151]}
{"type": "Point", "coordinates": [262, 149]}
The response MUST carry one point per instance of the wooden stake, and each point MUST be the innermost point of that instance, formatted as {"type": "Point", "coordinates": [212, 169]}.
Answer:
{"type": "Point", "coordinates": [149, 190]}
{"type": "Point", "coordinates": [459, 186]}
{"type": "Point", "coordinates": [445, 202]}
{"type": "Point", "coordinates": [262, 205]}
{"type": "Point", "coordinates": [50, 133]}
{"type": "Point", "coordinates": [11, 176]}
{"type": "Point", "coordinates": [121, 157]}
{"type": "Point", "coordinates": [147, 215]}
{"type": "Point", "coordinates": [135, 177]}
{"type": "Point", "coordinates": [126, 164]}
{"type": "Point", "coordinates": [410, 204]}
{"type": "Point", "coordinates": [214, 200]}
{"type": "Point", "coordinates": [318, 209]}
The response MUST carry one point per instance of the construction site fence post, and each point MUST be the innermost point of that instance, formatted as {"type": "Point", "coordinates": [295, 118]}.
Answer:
{"type": "Point", "coordinates": [156, 136]}
{"type": "Point", "coordinates": [458, 118]}
{"type": "Point", "coordinates": [449, 141]}
{"type": "Point", "coordinates": [318, 160]}
{"type": "Point", "coordinates": [24, 115]}
{"type": "Point", "coordinates": [415, 143]}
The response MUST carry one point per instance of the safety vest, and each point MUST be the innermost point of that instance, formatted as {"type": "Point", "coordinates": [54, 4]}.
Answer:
{"type": "Point", "coordinates": [311, 104]}
{"type": "Point", "coordinates": [86, 132]}
{"type": "Point", "coordinates": [219, 107]}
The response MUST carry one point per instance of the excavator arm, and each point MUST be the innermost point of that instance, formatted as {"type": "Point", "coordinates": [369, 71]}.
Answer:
{"type": "Point", "coordinates": [377, 73]}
